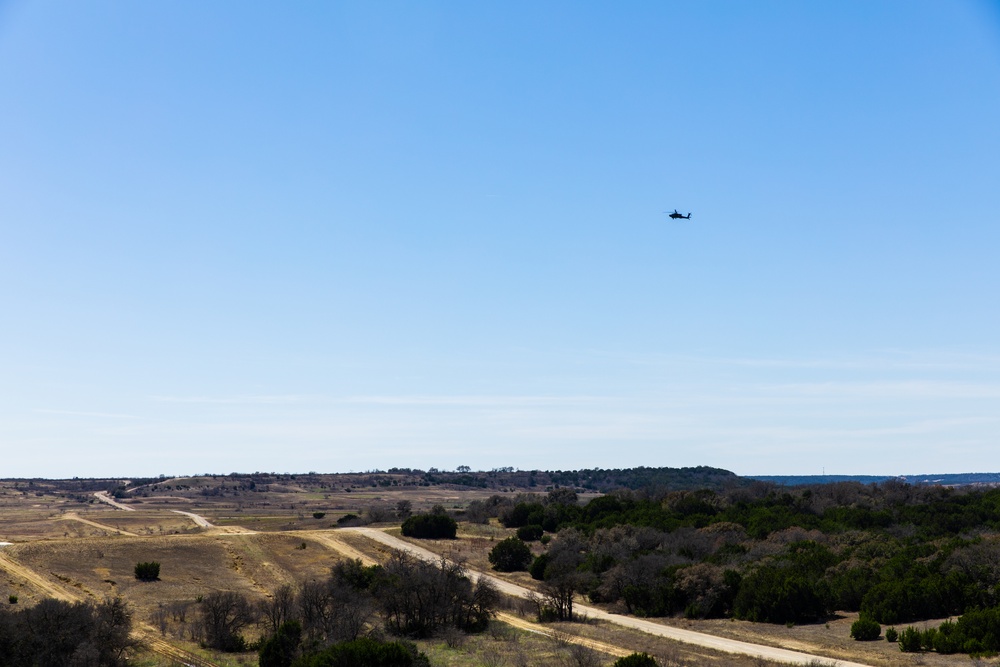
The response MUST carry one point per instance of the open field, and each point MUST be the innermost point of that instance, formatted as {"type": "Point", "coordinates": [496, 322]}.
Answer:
{"type": "Point", "coordinates": [69, 545]}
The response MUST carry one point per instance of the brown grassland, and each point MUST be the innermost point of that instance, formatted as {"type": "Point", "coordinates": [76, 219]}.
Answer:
{"type": "Point", "coordinates": [68, 544]}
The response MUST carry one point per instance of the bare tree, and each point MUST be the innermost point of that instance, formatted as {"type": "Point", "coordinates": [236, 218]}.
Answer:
{"type": "Point", "coordinates": [477, 512]}
{"type": "Point", "coordinates": [278, 608]}
{"type": "Point", "coordinates": [419, 598]}
{"type": "Point", "coordinates": [225, 615]}
{"type": "Point", "coordinates": [581, 656]}
{"type": "Point", "coordinates": [379, 513]}
{"type": "Point", "coordinates": [160, 617]}
{"type": "Point", "coordinates": [178, 611]}
{"type": "Point", "coordinates": [332, 611]}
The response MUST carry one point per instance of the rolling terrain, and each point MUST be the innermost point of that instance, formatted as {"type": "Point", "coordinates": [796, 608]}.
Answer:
{"type": "Point", "coordinates": [220, 535]}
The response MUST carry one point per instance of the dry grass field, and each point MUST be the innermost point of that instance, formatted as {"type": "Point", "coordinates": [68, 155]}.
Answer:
{"type": "Point", "coordinates": [66, 543]}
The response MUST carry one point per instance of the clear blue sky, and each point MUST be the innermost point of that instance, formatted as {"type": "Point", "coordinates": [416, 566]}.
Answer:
{"type": "Point", "coordinates": [242, 236]}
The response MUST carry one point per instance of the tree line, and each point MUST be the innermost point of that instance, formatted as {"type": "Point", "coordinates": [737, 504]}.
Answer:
{"type": "Point", "coordinates": [895, 552]}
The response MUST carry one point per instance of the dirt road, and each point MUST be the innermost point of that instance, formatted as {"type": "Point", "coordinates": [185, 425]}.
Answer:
{"type": "Point", "coordinates": [36, 580]}
{"type": "Point", "coordinates": [197, 518]}
{"type": "Point", "coordinates": [105, 498]}
{"type": "Point", "coordinates": [212, 528]}
{"type": "Point", "coordinates": [73, 516]}
{"type": "Point", "coordinates": [678, 634]}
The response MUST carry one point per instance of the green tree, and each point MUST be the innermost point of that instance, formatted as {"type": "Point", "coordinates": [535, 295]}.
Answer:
{"type": "Point", "coordinates": [530, 533]}
{"type": "Point", "coordinates": [366, 652]}
{"type": "Point", "coordinates": [282, 648]}
{"type": "Point", "coordinates": [537, 569]}
{"type": "Point", "coordinates": [510, 555]}
{"type": "Point", "coordinates": [779, 595]}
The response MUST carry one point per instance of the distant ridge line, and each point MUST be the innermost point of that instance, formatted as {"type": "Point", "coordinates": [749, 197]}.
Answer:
{"type": "Point", "coordinates": [943, 479]}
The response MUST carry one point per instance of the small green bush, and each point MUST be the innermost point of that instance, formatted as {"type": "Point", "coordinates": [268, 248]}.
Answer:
{"type": "Point", "coordinates": [909, 640]}
{"type": "Point", "coordinates": [928, 639]}
{"type": "Point", "coordinates": [636, 660]}
{"type": "Point", "coordinates": [319, 515]}
{"type": "Point", "coordinates": [12, 599]}
{"type": "Point", "coordinates": [147, 571]}
{"type": "Point", "coordinates": [865, 630]}
{"type": "Point", "coordinates": [891, 635]}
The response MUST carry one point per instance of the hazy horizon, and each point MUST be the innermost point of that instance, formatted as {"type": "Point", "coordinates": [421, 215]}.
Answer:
{"type": "Point", "coordinates": [355, 236]}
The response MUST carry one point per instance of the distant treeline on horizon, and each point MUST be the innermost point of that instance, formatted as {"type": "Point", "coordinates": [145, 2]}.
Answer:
{"type": "Point", "coordinates": [949, 479]}
{"type": "Point", "coordinates": [594, 479]}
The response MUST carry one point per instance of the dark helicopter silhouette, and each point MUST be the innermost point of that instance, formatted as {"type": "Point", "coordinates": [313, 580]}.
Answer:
{"type": "Point", "coordinates": [677, 216]}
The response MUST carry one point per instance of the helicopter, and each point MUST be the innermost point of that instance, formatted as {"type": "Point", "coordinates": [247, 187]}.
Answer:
{"type": "Point", "coordinates": [678, 216]}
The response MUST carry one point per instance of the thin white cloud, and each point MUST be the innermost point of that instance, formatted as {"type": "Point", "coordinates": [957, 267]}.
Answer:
{"type": "Point", "coordinates": [235, 400]}
{"type": "Point", "coordinates": [428, 400]}
{"type": "Point", "coordinates": [888, 360]}
{"type": "Point", "coordinates": [480, 401]}
{"type": "Point", "coordinates": [82, 413]}
{"type": "Point", "coordinates": [901, 389]}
